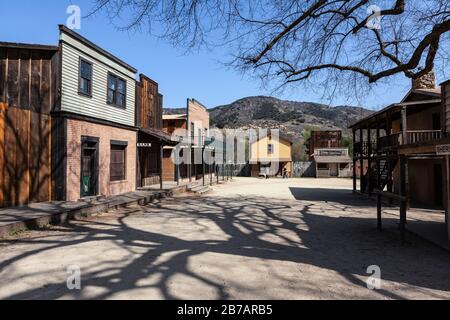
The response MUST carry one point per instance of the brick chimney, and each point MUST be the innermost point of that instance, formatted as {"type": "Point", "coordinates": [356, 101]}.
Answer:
{"type": "Point", "coordinates": [427, 81]}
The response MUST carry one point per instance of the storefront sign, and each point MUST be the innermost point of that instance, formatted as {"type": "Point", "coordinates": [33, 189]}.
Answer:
{"type": "Point", "coordinates": [443, 150]}
{"type": "Point", "coordinates": [144, 145]}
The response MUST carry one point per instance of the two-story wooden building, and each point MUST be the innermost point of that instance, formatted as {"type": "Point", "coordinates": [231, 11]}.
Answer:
{"type": "Point", "coordinates": [270, 155]}
{"type": "Point", "coordinates": [94, 129]}
{"type": "Point", "coordinates": [402, 144]}
{"type": "Point", "coordinates": [192, 128]}
{"type": "Point", "coordinates": [151, 138]}
{"type": "Point", "coordinates": [331, 159]}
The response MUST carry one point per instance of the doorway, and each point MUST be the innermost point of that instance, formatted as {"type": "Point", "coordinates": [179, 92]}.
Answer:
{"type": "Point", "coordinates": [438, 189]}
{"type": "Point", "coordinates": [89, 166]}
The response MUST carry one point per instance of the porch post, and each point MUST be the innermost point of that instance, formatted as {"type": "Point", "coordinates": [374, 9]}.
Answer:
{"type": "Point", "coordinates": [403, 194]}
{"type": "Point", "coordinates": [177, 159]}
{"type": "Point", "coordinates": [447, 198]}
{"type": "Point", "coordinates": [404, 126]}
{"type": "Point", "coordinates": [389, 159]}
{"type": "Point", "coordinates": [361, 161]}
{"type": "Point", "coordinates": [189, 167]}
{"type": "Point", "coordinates": [354, 161]}
{"type": "Point", "coordinates": [203, 165]}
{"type": "Point", "coordinates": [161, 153]}
{"type": "Point", "coordinates": [369, 159]}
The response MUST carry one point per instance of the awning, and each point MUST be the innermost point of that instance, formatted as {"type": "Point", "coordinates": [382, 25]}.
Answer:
{"type": "Point", "coordinates": [332, 159]}
{"type": "Point", "coordinates": [159, 135]}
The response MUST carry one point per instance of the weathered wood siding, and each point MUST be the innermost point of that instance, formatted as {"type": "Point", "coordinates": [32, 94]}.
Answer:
{"type": "Point", "coordinates": [28, 78]}
{"type": "Point", "coordinates": [95, 106]}
{"type": "Point", "coordinates": [446, 104]}
{"type": "Point", "coordinates": [25, 157]}
{"type": "Point", "coordinates": [27, 95]}
{"type": "Point", "coordinates": [149, 108]}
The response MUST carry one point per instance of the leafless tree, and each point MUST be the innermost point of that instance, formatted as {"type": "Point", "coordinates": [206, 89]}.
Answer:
{"type": "Point", "coordinates": [303, 41]}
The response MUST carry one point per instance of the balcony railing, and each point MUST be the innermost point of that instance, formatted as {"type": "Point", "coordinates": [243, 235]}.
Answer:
{"type": "Point", "coordinates": [422, 136]}
{"type": "Point", "coordinates": [412, 137]}
{"type": "Point", "coordinates": [363, 147]}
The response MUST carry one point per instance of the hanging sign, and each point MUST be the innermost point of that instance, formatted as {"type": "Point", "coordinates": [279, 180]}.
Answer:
{"type": "Point", "coordinates": [443, 150]}
{"type": "Point", "coordinates": [144, 145]}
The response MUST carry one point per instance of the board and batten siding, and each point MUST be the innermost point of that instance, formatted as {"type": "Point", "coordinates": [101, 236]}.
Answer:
{"type": "Point", "coordinates": [95, 106]}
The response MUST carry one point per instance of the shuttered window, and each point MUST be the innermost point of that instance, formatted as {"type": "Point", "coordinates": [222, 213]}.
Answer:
{"type": "Point", "coordinates": [118, 162]}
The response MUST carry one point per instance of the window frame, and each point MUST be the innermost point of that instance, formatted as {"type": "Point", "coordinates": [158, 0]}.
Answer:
{"type": "Point", "coordinates": [80, 92]}
{"type": "Point", "coordinates": [114, 103]}
{"type": "Point", "coordinates": [124, 145]}
{"type": "Point", "coordinates": [270, 148]}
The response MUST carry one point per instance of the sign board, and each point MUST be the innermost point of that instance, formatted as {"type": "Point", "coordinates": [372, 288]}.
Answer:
{"type": "Point", "coordinates": [144, 145]}
{"type": "Point", "coordinates": [443, 150]}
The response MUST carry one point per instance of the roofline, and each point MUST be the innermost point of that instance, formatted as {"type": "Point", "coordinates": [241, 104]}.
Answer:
{"type": "Point", "coordinates": [143, 76]}
{"type": "Point", "coordinates": [201, 104]}
{"type": "Point", "coordinates": [392, 106]}
{"type": "Point", "coordinates": [17, 45]}
{"type": "Point", "coordinates": [64, 29]}
{"type": "Point", "coordinates": [445, 83]}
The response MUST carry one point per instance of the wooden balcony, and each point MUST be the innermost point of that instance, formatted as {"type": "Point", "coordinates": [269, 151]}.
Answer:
{"type": "Point", "coordinates": [410, 137]}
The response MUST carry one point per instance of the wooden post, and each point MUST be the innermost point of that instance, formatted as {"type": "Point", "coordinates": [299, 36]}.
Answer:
{"type": "Point", "coordinates": [377, 158]}
{"type": "Point", "coordinates": [210, 168]}
{"type": "Point", "coordinates": [379, 221]}
{"type": "Point", "coordinates": [203, 166]}
{"type": "Point", "coordinates": [354, 161]}
{"type": "Point", "coordinates": [447, 190]}
{"type": "Point", "coordinates": [161, 152]}
{"type": "Point", "coordinates": [361, 161]}
{"type": "Point", "coordinates": [369, 159]}
{"type": "Point", "coordinates": [190, 164]}
{"type": "Point", "coordinates": [404, 126]}
{"type": "Point", "coordinates": [177, 159]}
{"type": "Point", "coordinates": [403, 194]}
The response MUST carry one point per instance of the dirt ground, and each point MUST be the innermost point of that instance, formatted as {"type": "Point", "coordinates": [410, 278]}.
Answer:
{"type": "Point", "coordinates": [248, 239]}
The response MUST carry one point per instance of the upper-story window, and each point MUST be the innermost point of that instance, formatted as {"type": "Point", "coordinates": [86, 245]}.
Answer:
{"type": "Point", "coordinates": [85, 81]}
{"type": "Point", "coordinates": [270, 148]}
{"type": "Point", "coordinates": [116, 91]}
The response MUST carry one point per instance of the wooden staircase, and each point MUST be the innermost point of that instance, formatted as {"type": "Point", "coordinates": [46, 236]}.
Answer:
{"type": "Point", "coordinates": [386, 164]}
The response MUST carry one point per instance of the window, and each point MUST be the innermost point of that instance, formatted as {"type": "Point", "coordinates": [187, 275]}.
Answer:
{"type": "Point", "coordinates": [118, 161]}
{"type": "Point", "coordinates": [116, 91]}
{"type": "Point", "coordinates": [192, 131]}
{"type": "Point", "coordinates": [85, 81]}
{"type": "Point", "coordinates": [270, 148]}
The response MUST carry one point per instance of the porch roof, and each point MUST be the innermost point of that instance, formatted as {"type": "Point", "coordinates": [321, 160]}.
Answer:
{"type": "Point", "coordinates": [433, 97]}
{"type": "Point", "coordinates": [159, 135]}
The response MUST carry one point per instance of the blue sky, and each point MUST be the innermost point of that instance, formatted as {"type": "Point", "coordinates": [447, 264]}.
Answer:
{"type": "Point", "coordinates": [197, 75]}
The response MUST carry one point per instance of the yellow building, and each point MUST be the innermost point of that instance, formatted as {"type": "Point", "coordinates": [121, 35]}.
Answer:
{"type": "Point", "coordinates": [271, 156]}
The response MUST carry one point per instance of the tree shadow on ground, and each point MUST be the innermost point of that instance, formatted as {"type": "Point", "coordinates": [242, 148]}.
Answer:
{"type": "Point", "coordinates": [338, 236]}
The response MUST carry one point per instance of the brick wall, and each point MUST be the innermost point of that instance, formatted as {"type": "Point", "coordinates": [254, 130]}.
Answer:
{"type": "Point", "coordinates": [76, 129]}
